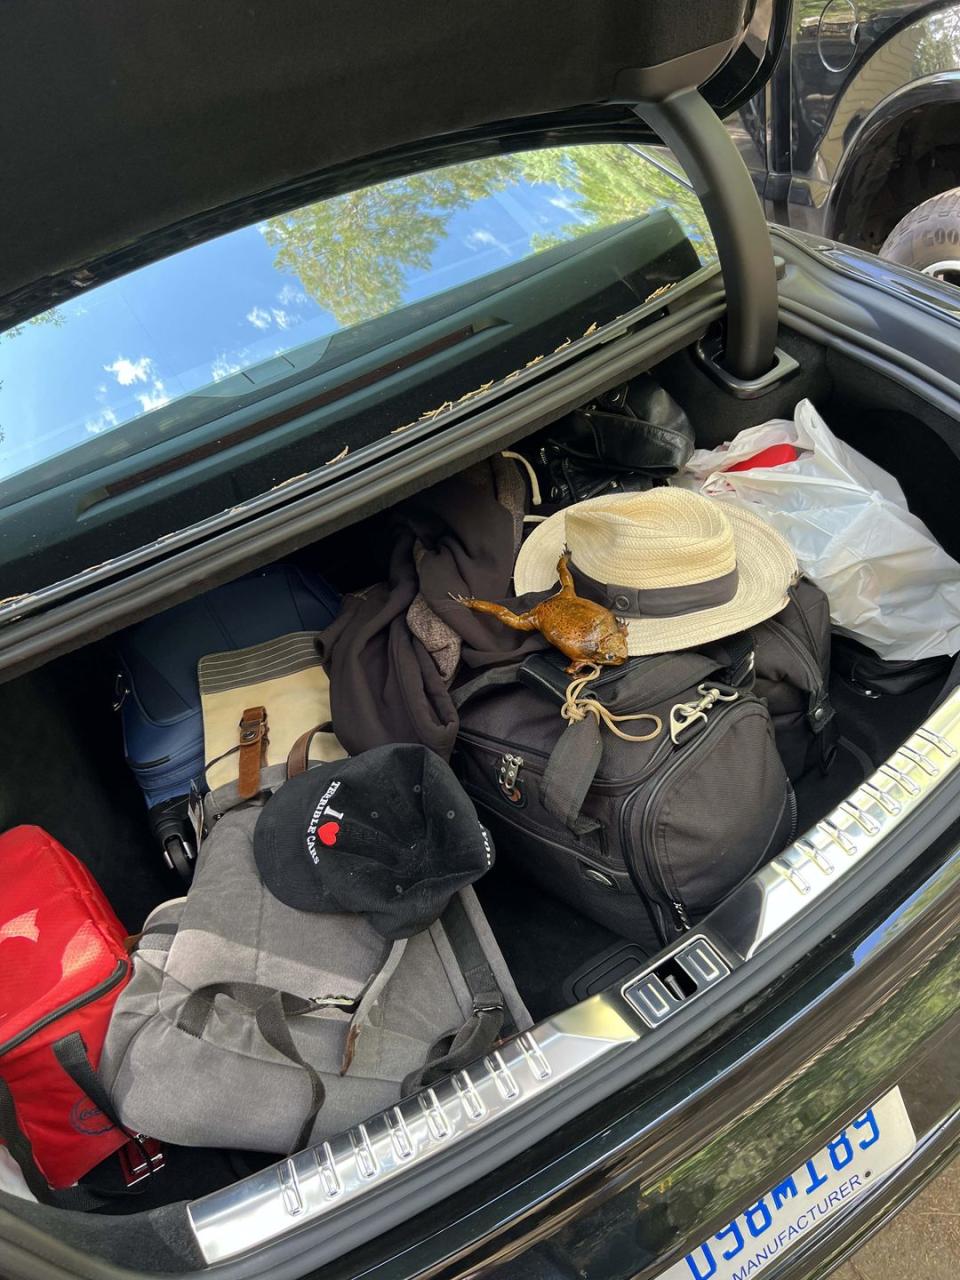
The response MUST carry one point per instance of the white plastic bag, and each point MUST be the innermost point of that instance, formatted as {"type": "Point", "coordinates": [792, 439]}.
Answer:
{"type": "Point", "coordinates": [889, 582]}
{"type": "Point", "coordinates": [11, 1178]}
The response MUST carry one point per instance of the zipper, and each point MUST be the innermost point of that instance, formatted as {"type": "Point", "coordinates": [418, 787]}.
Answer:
{"type": "Point", "coordinates": [794, 813]}
{"type": "Point", "coordinates": [805, 623]}
{"type": "Point", "coordinates": [508, 777]}
{"type": "Point", "coordinates": [493, 746]}
{"type": "Point", "coordinates": [809, 663]}
{"type": "Point", "coordinates": [680, 913]}
{"type": "Point", "coordinates": [817, 714]}
{"type": "Point", "coordinates": [646, 822]}
{"type": "Point", "coordinates": [152, 773]}
{"type": "Point", "coordinates": [677, 906]}
{"type": "Point", "coordinates": [77, 1002]}
{"type": "Point", "coordinates": [588, 856]}
{"type": "Point", "coordinates": [120, 690]}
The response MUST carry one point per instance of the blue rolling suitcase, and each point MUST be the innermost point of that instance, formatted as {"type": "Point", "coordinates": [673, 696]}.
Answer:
{"type": "Point", "coordinates": [158, 695]}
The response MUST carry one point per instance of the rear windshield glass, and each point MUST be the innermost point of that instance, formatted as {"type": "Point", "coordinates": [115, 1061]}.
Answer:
{"type": "Point", "coordinates": [259, 305]}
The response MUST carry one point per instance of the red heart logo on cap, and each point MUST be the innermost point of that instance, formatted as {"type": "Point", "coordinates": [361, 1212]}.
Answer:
{"type": "Point", "coordinates": [328, 833]}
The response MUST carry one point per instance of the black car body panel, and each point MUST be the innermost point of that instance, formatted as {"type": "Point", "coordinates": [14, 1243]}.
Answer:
{"type": "Point", "coordinates": [180, 122]}
{"type": "Point", "coordinates": [859, 122]}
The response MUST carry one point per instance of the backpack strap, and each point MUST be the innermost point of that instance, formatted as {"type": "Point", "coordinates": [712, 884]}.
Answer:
{"type": "Point", "coordinates": [273, 1026]}
{"type": "Point", "coordinates": [486, 1023]}
{"type": "Point", "coordinates": [254, 735]}
{"type": "Point", "coordinates": [272, 1010]}
{"type": "Point", "coordinates": [820, 714]}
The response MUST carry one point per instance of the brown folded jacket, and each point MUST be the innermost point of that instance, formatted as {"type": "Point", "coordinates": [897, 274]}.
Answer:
{"type": "Point", "coordinates": [393, 651]}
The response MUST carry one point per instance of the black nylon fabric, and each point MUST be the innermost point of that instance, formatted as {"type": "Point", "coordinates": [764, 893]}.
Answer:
{"type": "Point", "coordinates": [490, 1018]}
{"type": "Point", "coordinates": [793, 675]}
{"type": "Point", "coordinates": [453, 539]}
{"type": "Point", "coordinates": [720, 811]}
{"type": "Point", "coordinates": [664, 830]}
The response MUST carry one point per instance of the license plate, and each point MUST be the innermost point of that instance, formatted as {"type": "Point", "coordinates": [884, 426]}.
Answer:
{"type": "Point", "coordinates": [870, 1145]}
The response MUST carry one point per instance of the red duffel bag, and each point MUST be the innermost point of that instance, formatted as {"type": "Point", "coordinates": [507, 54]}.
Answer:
{"type": "Point", "coordinates": [63, 963]}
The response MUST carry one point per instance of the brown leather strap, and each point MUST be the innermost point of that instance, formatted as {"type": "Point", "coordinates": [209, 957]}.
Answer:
{"type": "Point", "coordinates": [299, 757]}
{"type": "Point", "coordinates": [253, 751]}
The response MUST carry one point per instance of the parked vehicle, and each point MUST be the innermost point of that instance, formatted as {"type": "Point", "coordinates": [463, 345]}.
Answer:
{"type": "Point", "coordinates": [272, 269]}
{"type": "Point", "coordinates": [854, 136]}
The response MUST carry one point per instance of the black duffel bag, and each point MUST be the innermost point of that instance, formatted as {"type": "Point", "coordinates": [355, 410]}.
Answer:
{"type": "Point", "coordinates": [645, 836]}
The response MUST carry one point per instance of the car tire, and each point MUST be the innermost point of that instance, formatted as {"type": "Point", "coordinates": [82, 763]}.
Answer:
{"type": "Point", "coordinates": [928, 238]}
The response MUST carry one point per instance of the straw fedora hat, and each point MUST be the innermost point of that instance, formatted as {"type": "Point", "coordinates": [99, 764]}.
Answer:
{"type": "Point", "coordinates": [678, 568]}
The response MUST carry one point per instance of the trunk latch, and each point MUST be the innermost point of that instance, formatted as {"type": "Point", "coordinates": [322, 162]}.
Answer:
{"type": "Point", "coordinates": [666, 987]}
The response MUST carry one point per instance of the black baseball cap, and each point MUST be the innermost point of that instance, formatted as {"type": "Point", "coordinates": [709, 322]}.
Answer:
{"type": "Point", "coordinates": [389, 834]}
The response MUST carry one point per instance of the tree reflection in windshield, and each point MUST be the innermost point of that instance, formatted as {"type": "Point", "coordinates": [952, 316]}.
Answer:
{"type": "Point", "coordinates": [144, 343]}
{"type": "Point", "coordinates": [354, 254]}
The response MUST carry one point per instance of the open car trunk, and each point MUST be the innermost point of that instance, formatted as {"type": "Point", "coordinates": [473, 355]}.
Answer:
{"type": "Point", "coordinates": [65, 770]}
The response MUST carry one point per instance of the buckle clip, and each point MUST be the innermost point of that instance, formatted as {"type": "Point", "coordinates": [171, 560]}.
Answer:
{"type": "Point", "coordinates": [684, 715]}
{"type": "Point", "coordinates": [140, 1158]}
{"type": "Point", "coordinates": [488, 1002]}
{"type": "Point", "coordinates": [253, 726]}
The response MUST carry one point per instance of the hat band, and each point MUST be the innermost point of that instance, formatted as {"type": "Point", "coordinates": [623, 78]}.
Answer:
{"type": "Point", "coordinates": [658, 602]}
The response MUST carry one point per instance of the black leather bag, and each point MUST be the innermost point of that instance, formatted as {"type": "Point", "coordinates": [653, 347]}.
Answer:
{"type": "Point", "coordinates": [645, 837]}
{"type": "Point", "coordinates": [876, 677]}
{"type": "Point", "coordinates": [626, 439]}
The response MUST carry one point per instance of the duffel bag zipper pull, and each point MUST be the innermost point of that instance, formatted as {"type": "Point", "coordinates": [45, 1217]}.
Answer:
{"type": "Point", "coordinates": [683, 715]}
{"type": "Point", "coordinates": [680, 911]}
{"type": "Point", "coordinates": [508, 775]}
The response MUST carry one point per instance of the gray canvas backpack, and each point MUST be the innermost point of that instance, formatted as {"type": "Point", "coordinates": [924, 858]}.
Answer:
{"type": "Point", "coordinates": [248, 1024]}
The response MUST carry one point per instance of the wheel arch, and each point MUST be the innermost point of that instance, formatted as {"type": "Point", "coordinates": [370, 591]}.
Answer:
{"type": "Point", "coordinates": [904, 151]}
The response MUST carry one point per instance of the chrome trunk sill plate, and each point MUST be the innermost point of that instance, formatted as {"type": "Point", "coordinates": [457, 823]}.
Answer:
{"type": "Point", "coordinates": [298, 1191]}
{"type": "Point", "coordinates": [312, 1182]}
{"type": "Point", "coordinates": [750, 919]}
